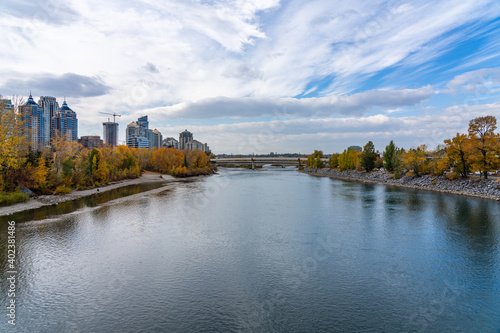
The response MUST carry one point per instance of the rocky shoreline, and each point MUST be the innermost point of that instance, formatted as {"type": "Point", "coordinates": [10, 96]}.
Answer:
{"type": "Point", "coordinates": [488, 189]}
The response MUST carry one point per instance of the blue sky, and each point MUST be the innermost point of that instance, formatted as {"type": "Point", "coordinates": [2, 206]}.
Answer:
{"type": "Point", "coordinates": [263, 75]}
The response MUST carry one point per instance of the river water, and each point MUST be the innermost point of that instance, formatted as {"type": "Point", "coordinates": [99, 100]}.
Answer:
{"type": "Point", "coordinates": [259, 251]}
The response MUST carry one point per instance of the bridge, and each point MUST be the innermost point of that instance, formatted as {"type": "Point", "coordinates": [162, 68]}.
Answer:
{"type": "Point", "coordinates": [254, 161]}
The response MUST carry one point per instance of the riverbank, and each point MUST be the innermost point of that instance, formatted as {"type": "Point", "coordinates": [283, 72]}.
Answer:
{"type": "Point", "coordinates": [488, 189]}
{"type": "Point", "coordinates": [47, 200]}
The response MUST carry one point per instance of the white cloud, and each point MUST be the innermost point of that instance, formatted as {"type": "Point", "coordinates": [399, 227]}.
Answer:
{"type": "Point", "coordinates": [478, 81]}
{"type": "Point", "coordinates": [335, 134]}
{"type": "Point", "coordinates": [251, 107]}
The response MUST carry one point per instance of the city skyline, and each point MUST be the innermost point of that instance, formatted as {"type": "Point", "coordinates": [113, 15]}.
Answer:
{"type": "Point", "coordinates": [263, 76]}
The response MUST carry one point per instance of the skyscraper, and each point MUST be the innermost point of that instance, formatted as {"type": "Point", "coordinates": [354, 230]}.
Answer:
{"type": "Point", "coordinates": [185, 137]}
{"type": "Point", "coordinates": [34, 121]}
{"type": "Point", "coordinates": [49, 107]}
{"type": "Point", "coordinates": [143, 124]}
{"type": "Point", "coordinates": [157, 138]}
{"type": "Point", "coordinates": [65, 123]}
{"type": "Point", "coordinates": [110, 133]}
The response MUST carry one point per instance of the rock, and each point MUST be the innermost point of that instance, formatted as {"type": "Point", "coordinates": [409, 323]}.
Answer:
{"type": "Point", "coordinates": [27, 191]}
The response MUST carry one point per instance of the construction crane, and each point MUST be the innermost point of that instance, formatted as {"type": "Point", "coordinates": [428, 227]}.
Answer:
{"type": "Point", "coordinates": [114, 126]}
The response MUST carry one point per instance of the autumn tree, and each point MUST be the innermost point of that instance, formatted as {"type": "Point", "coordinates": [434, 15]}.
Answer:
{"type": "Point", "coordinates": [348, 160]}
{"type": "Point", "coordinates": [314, 161]}
{"type": "Point", "coordinates": [63, 148]}
{"type": "Point", "coordinates": [458, 150]}
{"type": "Point", "coordinates": [333, 162]}
{"type": "Point", "coordinates": [13, 145]}
{"type": "Point", "coordinates": [484, 144]}
{"type": "Point", "coordinates": [41, 173]}
{"type": "Point", "coordinates": [416, 160]}
{"type": "Point", "coordinates": [368, 156]}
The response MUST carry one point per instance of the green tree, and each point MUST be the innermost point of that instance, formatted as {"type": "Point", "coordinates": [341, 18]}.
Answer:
{"type": "Point", "coordinates": [68, 166]}
{"type": "Point", "coordinates": [368, 156]}
{"type": "Point", "coordinates": [390, 156]}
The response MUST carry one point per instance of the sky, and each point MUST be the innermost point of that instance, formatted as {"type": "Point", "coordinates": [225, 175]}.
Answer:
{"type": "Point", "coordinates": [260, 76]}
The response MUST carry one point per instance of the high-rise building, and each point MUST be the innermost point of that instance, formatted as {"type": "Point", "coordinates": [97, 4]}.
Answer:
{"type": "Point", "coordinates": [34, 121]}
{"type": "Point", "coordinates": [157, 138]}
{"type": "Point", "coordinates": [91, 141]}
{"type": "Point", "coordinates": [143, 124]}
{"type": "Point", "coordinates": [110, 133]}
{"type": "Point", "coordinates": [185, 137]}
{"type": "Point", "coordinates": [140, 136]}
{"type": "Point", "coordinates": [49, 107]}
{"type": "Point", "coordinates": [65, 123]}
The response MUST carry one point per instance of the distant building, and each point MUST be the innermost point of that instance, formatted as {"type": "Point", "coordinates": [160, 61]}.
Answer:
{"type": "Point", "coordinates": [34, 120]}
{"type": "Point", "coordinates": [140, 136]}
{"type": "Point", "coordinates": [49, 107]}
{"type": "Point", "coordinates": [90, 141]}
{"type": "Point", "coordinates": [143, 123]}
{"type": "Point", "coordinates": [157, 138]}
{"type": "Point", "coordinates": [185, 137]}
{"type": "Point", "coordinates": [357, 149]}
{"type": "Point", "coordinates": [138, 142]}
{"type": "Point", "coordinates": [65, 123]}
{"type": "Point", "coordinates": [110, 133]}
{"type": "Point", "coordinates": [6, 104]}
{"type": "Point", "coordinates": [195, 144]}
{"type": "Point", "coordinates": [171, 143]}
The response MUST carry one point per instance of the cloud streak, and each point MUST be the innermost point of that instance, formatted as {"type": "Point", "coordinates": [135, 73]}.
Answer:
{"type": "Point", "coordinates": [68, 84]}
{"type": "Point", "coordinates": [252, 107]}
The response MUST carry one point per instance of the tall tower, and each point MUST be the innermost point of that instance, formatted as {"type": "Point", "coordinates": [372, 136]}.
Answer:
{"type": "Point", "coordinates": [110, 133]}
{"type": "Point", "coordinates": [65, 123]}
{"type": "Point", "coordinates": [185, 137]}
{"type": "Point", "coordinates": [33, 117]}
{"type": "Point", "coordinates": [144, 126]}
{"type": "Point", "coordinates": [49, 107]}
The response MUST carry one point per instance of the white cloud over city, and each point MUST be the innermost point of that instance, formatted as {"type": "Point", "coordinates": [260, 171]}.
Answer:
{"type": "Point", "coordinates": [260, 76]}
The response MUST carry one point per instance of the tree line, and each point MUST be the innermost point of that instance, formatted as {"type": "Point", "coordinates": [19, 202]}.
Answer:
{"type": "Point", "coordinates": [68, 165]}
{"type": "Point", "coordinates": [477, 150]}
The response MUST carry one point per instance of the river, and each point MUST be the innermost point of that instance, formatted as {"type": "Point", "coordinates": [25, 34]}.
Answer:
{"type": "Point", "coordinates": [259, 251]}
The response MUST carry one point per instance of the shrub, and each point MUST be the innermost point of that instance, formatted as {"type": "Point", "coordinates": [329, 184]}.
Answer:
{"type": "Point", "coordinates": [12, 198]}
{"type": "Point", "coordinates": [62, 189]}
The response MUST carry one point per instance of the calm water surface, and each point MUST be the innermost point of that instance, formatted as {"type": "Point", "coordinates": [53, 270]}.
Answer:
{"type": "Point", "coordinates": [260, 251]}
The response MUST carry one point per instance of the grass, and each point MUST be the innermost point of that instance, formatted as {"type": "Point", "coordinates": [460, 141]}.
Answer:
{"type": "Point", "coordinates": [12, 198]}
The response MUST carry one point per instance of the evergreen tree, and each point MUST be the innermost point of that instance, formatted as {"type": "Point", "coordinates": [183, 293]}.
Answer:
{"type": "Point", "coordinates": [368, 156]}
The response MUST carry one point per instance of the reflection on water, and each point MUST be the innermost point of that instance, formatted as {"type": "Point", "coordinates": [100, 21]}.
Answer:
{"type": "Point", "coordinates": [266, 251]}
{"type": "Point", "coordinates": [70, 206]}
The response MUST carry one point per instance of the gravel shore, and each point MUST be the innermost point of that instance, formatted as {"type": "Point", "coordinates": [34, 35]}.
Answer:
{"type": "Point", "coordinates": [488, 189]}
{"type": "Point", "coordinates": [46, 200]}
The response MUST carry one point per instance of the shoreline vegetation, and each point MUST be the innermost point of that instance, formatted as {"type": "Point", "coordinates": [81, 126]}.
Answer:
{"type": "Point", "coordinates": [486, 189]}
{"type": "Point", "coordinates": [48, 200]}
{"type": "Point", "coordinates": [445, 169]}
